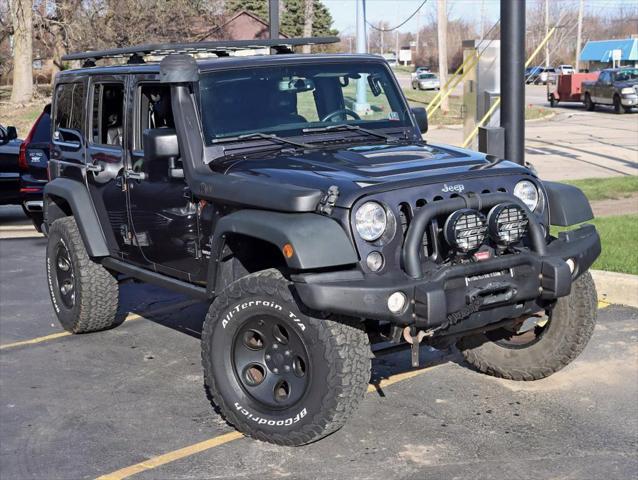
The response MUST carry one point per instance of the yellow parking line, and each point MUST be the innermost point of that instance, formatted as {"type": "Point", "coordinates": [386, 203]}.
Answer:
{"type": "Point", "coordinates": [130, 317]}
{"type": "Point", "coordinates": [603, 304]}
{"type": "Point", "coordinates": [169, 457]}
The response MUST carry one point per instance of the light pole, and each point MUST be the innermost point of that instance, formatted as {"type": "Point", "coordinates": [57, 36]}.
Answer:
{"type": "Point", "coordinates": [361, 105]}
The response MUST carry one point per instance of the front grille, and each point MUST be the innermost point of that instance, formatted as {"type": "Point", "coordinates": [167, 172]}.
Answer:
{"type": "Point", "coordinates": [435, 246]}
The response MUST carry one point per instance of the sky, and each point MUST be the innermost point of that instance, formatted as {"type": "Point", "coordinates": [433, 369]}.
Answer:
{"type": "Point", "coordinates": [396, 11]}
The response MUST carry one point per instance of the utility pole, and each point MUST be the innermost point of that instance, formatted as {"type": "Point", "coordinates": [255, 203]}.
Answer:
{"type": "Point", "coordinates": [441, 14]}
{"type": "Point", "coordinates": [482, 25]}
{"type": "Point", "coordinates": [546, 32]}
{"type": "Point", "coordinates": [579, 35]}
{"type": "Point", "coordinates": [309, 16]}
{"type": "Point", "coordinates": [273, 18]}
{"type": "Point", "coordinates": [418, 27]}
{"type": "Point", "coordinates": [397, 47]}
{"type": "Point", "coordinates": [361, 105]}
{"type": "Point", "coordinates": [381, 27]}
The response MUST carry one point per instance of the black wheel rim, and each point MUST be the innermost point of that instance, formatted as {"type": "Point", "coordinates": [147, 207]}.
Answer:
{"type": "Point", "coordinates": [517, 339]}
{"type": "Point", "coordinates": [270, 361]}
{"type": "Point", "coordinates": [65, 275]}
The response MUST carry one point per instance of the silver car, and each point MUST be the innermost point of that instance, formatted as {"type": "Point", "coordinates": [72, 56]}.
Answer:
{"type": "Point", "coordinates": [426, 81]}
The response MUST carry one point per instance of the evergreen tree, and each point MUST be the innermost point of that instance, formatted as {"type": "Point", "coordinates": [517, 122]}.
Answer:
{"type": "Point", "coordinates": [292, 15]}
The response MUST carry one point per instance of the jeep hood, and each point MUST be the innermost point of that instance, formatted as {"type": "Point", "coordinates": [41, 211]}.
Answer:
{"type": "Point", "coordinates": [361, 168]}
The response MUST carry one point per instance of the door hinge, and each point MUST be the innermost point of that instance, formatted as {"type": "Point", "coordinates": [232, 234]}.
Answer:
{"type": "Point", "coordinates": [328, 200]}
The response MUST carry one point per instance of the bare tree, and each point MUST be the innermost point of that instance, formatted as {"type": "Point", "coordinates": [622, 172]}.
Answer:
{"type": "Point", "coordinates": [22, 22]}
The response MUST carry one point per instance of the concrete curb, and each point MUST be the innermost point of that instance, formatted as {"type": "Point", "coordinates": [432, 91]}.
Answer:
{"type": "Point", "coordinates": [619, 288]}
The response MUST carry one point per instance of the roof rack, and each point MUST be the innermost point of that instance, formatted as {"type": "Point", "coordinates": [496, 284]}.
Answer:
{"type": "Point", "coordinates": [136, 53]}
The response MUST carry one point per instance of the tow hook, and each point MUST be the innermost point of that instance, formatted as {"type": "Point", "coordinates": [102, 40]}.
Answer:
{"type": "Point", "coordinates": [414, 337]}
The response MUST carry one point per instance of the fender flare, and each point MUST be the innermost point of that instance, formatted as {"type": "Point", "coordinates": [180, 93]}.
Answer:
{"type": "Point", "coordinates": [78, 198]}
{"type": "Point", "coordinates": [318, 241]}
{"type": "Point", "coordinates": [567, 204]}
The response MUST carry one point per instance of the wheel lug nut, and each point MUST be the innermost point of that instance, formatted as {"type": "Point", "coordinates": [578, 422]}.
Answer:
{"type": "Point", "coordinates": [275, 346]}
{"type": "Point", "coordinates": [287, 353]}
{"type": "Point", "coordinates": [275, 370]}
{"type": "Point", "coordinates": [287, 368]}
{"type": "Point", "coordinates": [267, 357]}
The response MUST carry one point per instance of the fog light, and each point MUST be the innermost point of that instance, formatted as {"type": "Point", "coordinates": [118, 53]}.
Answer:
{"type": "Point", "coordinates": [396, 302]}
{"type": "Point", "coordinates": [507, 223]}
{"type": "Point", "coordinates": [375, 261]}
{"type": "Point", "coordinates": [571, 264]}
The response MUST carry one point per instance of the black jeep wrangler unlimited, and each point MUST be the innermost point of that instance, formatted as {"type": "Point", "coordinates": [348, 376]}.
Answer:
{"type": "Point", "coordinates": [297, 195]}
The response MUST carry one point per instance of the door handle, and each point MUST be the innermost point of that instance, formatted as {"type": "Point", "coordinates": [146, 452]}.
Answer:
{"type": "Point", "coordinates": [133, 175]}
{"type": "Point", "coordinates": [96, 168]}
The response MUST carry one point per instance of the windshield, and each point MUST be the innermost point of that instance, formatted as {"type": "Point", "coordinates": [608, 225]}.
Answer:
{"type": "Point", "coordinates": [627, 74]}
{"type": "Point", "coordinates": [427, 76]}
{"type": "Point", "coordinates": [285, 100]}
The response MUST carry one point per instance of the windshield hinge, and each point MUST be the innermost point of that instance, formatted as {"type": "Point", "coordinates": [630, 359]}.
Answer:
{"type": "Point", "coordinates": [328, 200]}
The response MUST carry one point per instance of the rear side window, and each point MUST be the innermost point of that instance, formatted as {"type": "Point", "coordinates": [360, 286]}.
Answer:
{"type": "Point", "coordinates": [69, 106]}
{"type": "Point", "coordinates": [42, 131]}
{"type": "Point", "coordinates": [107, 117]}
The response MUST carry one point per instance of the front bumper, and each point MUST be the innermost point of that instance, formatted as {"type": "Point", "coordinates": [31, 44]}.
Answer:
{"type": "Point", "coordinates": [489, 291]}
{"type": "Point", "coordinates": [630, 100]}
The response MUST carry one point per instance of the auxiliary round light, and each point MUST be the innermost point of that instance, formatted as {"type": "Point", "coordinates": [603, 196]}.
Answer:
{"type": "Point", "coordinates": [397, 302]}
{"type": "Point", "coordinates": [465, 229]}
{"type": "Point", "coordinates": [507, 223]}
{"type": "Point", "coordinates": [374, 260]}
{"type": "Point", "coordinates": [528, 193]}
{"type": "Point", "coordinates": [371, 221]}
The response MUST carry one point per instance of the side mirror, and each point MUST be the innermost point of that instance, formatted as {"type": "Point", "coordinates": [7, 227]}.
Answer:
{"type": "Point", "coordinates": [421, 117]}
{"type": "Point", "coordinates": [7, 134]}
{"type": "Point", "coordinates": [160, 144]}
{"type": "Point", "coordinates": [67, 138]}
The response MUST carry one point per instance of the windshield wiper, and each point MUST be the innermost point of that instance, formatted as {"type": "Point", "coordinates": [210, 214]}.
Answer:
{"type": "Point", "coordinates": [344, 126]}
{"type": "Point", "coordinates": [261, 136]}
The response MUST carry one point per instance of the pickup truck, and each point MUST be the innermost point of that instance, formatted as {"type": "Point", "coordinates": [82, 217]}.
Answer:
{"type": "Point", "coordinates": [615, 86]}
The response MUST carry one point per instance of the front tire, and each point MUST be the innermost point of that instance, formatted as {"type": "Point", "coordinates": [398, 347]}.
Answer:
{"type": "Point", "coordinates": [618, 106]}
{"type": "Point", "coordinates": [589, 105]}
{"type": "Point", "coordinates": [549, 348]}
{"type": "Point", "coordinates": [275, 373]}
{"type": "Point", "coordinates": [84, 293]}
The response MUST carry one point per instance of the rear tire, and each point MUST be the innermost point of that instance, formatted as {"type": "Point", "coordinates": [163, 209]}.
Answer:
{"type": "Point", "coordinates": [570, 326]}
{"type": "Point", "coordinates": [275, 373]}
{"type": "Point", "coordinates": [84, 293]}
{"type": "Point", "coordinates": [589, 105]}
{"type": "Point", "coordinates": [552, 100]}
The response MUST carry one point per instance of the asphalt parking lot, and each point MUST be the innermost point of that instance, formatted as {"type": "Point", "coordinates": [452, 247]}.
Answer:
{"type": "Point", "coordinates": [130, 403]}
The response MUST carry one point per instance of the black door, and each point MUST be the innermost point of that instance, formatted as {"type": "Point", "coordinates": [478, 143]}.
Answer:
{"type": "Point", "coordinates": [164, 219]}
{"type": "Point", "coordinates": [105, 159]}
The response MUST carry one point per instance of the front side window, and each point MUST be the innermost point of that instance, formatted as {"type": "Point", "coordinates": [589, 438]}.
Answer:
{"type": "Point", "coordinates": [107, 118]}
{"type": "Point", "coordinates": [69, 106]}
{"type": "Point", "coordinates": [153, 110]}
{"type": "Point", "coordinates": [285, 100]}
{"type": "Point", "coordinates": [627, 74]}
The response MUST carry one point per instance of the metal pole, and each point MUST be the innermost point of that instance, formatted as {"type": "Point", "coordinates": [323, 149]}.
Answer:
{"type": "Point", "coordinates": [546, 32]}
{"type": "Point", "coordinates": [273, 18]}
{"type": "Point", "coordinates": [513, 78]}
{"type": "Point", "coordinates": [361, 105]}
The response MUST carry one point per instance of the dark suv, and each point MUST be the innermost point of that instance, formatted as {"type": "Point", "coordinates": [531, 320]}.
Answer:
{"type": "Point", "coordinates": [296, 194]}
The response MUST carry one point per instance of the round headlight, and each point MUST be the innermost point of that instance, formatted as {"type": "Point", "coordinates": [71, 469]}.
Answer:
{"type": "Point", "coordinates": [528, 193]}
{"type": "Point", "coordinates": [370, 221]}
